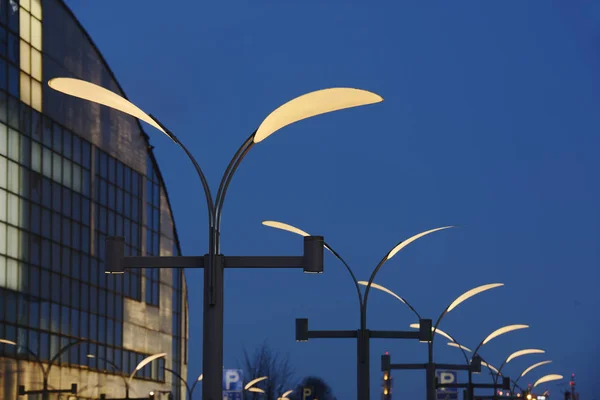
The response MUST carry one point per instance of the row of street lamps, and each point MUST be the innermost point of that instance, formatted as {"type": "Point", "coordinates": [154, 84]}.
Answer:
{"type": "Point", "coordinates": [214, 263]}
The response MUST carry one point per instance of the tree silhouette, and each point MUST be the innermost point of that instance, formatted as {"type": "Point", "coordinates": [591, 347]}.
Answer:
{"type": "Point", "coordinates": [266, 362]}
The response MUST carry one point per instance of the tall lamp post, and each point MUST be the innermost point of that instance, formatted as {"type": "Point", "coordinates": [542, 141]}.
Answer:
{"type": "Point", "coordinates": [363, 335]}
{"type": "Point", "coordinates": [127, 381]}
{"type": "Point", "coordinates": [188, 388]}
{"type": "Point", "coordinates": [45, 391]}
{"type": "Point", "coordinates": [430, 367]}
{"type": "Point", "coordinates": [300, 108]}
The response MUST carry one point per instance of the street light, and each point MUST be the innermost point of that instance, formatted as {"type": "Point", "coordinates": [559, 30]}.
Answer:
{"type": "Point", "coordinates": [188, 388]}
{"type": "Point", "coordinates": [498, 332]}
{"type": "Point", "coordinates": [430, 366]}
{"type": "Point", "coordinates": [285, 395]}
{"type": "Point", "coordinates": [140, 365]}
{"type": "Point", "coordinates": [45, 392]}
{"type": "Point", "coordinates": [527, 370]}
{"type": "Point", "coordinates": [300, 108]}
{"type": "Point", "coordinates": [516, 354]}
{"type": "Point", "coordinates": [250, 385]}
{"type": "Point", "coordinates": [363, 335]}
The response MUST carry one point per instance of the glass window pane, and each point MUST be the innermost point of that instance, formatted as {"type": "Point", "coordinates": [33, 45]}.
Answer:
{"type": "Point", "coordinates": [3, 168]}
{"type": "Point", "coordinates": [13, 209]}
{"type": "Point", "coordinates": [25, 83]}
{"type": "Point", "coordinates": [36, 64]}
{"type": "Point", "coordinates": [66, 169]}
{"type": "Point", "coordinates": [3, 205]}
{"type": "Point", "coordinates": [24, 25]}
{"type": "Point", "coordinates": [36, 33]}
{"type": "Point", "coordinates": [56, 167]}
{"type": "Point", "coordinates": [13, 144]}
{"type": "Point", "coordinates": [14, 81]}
{"type": "Point", "coordinates": [25, 58]}
{"type": "Point", "coordinates": [36, 95]}
{"type": "Point", "coordinates": [14, 184]}
{"type": "Point", "coordinates": [36, 8]}
{"type": "Point", "coordinates": [3, 139]}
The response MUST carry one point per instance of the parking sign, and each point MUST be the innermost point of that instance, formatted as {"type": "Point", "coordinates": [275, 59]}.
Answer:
{"type": "Point", "coordinates": [233, 381]}
{"type": "Point", "coordinates": [446, 377]}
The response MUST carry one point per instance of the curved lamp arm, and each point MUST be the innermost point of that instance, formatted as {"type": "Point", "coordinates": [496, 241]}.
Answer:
{"type": "Point", "coordinates": [392, 253]}
{"type": "Point", "coordinates": [529, 369]}
{"type": "Point", "coordinates": [181, 379]}
{"type": "Point", "coordinates": [462, 298]}
{"type": "Point", "coordinates": [111, 364]}
{"type": "Point", "coordinates": [285, 395]}
{"type": "Point", "coordinates": [144, 362]}
{"type": "Point", "coordinates": [499, 332]}
{"type": "Point", "coordinates": [37, 358]}
{"type": "Point", "coordinates": [195, 383]}
{"type": "Point", "coordinates": [388, 291]}
{"type": "Point", "coordinates": [519, 353]}
{"type": "Point", "coordinates": [97, 94]}
{"type": "Point", "coordinates": [306, 106]}
{"type": "Point", "coordinates": [298, 231]}
{"type": "Point", "coordinates": [61, 352]}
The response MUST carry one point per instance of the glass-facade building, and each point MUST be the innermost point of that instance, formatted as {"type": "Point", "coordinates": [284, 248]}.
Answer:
{"type": "Point", "coordinates": [72, 173]}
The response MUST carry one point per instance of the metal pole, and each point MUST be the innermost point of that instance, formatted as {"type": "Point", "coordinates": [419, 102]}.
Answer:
{"type": "Point", "coordinates": [212, 347]}
{"type": "Point", "coordinates": [363, 370]}
{"type": "Point", "coordinates": [430, 372]}
{"type": "Point", "coordinates": [45, 394]}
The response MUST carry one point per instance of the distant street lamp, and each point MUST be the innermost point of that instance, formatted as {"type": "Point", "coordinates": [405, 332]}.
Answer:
{"type": "Point", "coordinates": [514, 355]}
{"type": "Point", "coordinates": [430, 367]}
{"type": "Point", "coordinates": [45, 391]}
{"type": "Point", "coordinates": [300, 108]}
{"type": "Point", "coordinates": [527, 370]}
{"type": "Point", "coordinates": [127, 382]}
{"type": "Point", "coordinates": [363, 335]}
{"type": "Point", "coordinates": [493, 335]}
{"type": "Point", "coordinates": [250, 385]}
{"type": "Point", "coordinates": [189, 389]}
{"type": "Point", "coordinates": [285, 395]}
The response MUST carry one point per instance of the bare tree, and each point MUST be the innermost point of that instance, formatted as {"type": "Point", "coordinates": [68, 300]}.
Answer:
{"type": "Point", "coordinates": [266, 362]}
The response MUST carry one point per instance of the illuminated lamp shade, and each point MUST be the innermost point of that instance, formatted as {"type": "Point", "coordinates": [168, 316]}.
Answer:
{"type": "Point", "coordinates": [9, 342]}
{"type": "Point", "coordinates": [255, 390]}
{"type": "Point", "coordinates": [313, 104]}
{"type": "Point", "coordinates": [438, 331]}
{"type": "Point", "coordinates": [285, 227]}
{"type": "Point", "coordinates": [547, 378]}
{"type": "Point", "coordinates": [534, 366]}
{"type": "Point", "coordinates": [523, 353]}
{"type": "Point", "coordinates": [460, 346]}
{"type": "Point", "coordinates": [502, 331]}
{"type": "Point", "coordinates": [286, 394]}
{"type": "Point", "coordinates": [145, 362]}
{"type": "Point", "coordinates": [97, 94]}
{"type": "Point", "coordinates": [255, 381]}
{"type": "Point", "coordinates": [467, 295]}
{"type": "Point", "coordinates": [200, 377]}
{"type": "Point", "coordinates": [383, 289]}
{"type": "Point", "coordinates": [490, 367]}
{"type": "Point", "coordinates": [408, 241]}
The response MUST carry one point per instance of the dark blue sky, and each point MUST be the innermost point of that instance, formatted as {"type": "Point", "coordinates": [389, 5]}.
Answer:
{"type": "Point", "coordinates": [490, 122]}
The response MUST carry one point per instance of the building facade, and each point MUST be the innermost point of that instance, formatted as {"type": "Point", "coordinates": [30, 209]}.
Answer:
{"type": "Point", "coordinates": [71, 174]}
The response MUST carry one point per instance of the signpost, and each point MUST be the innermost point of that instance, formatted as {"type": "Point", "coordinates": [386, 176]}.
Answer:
{"type": "Point", "coordinates": [447, 393]}
{"type": "Point", "coordinates": [233, 384]}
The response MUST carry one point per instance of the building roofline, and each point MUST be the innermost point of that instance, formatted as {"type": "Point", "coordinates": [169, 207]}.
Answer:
{"type": "Point", "coordinates": [144, 134]}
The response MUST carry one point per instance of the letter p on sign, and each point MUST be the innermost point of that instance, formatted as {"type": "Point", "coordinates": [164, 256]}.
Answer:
{"type": "Point", "coordinates": [446, 377]}
{"type": "Point", "coordinates": [307, 393]}
{"type": "Point", "coordinates": [231, 377]}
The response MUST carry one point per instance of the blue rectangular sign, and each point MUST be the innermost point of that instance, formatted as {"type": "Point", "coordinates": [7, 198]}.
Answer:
{"type": "Point", "coordinates": [446, 377]}
{"type": "Point", "coordinates": [232, 395]}
{"type": "Point", "coordinates": [233, 380]}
